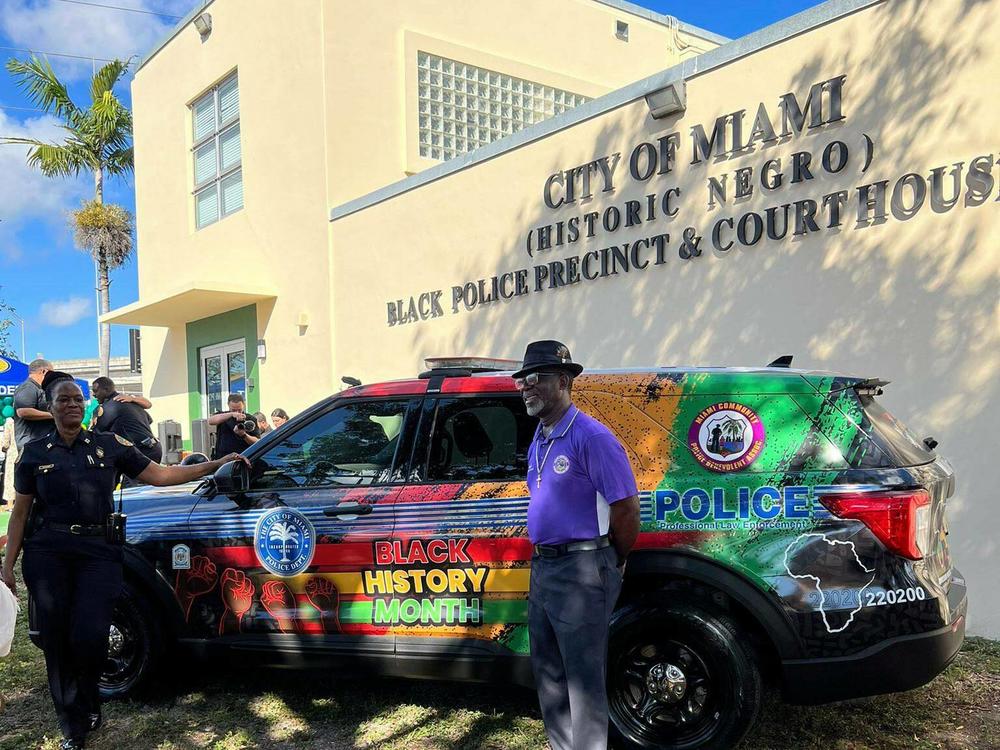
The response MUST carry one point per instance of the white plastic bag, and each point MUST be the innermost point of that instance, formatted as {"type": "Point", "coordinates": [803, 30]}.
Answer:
{"type": "Point", "coordinates": [9, 607]}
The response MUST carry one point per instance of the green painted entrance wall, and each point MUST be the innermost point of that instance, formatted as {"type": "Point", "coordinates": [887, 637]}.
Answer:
{"type": "Point", "coordinates": [237, 324]}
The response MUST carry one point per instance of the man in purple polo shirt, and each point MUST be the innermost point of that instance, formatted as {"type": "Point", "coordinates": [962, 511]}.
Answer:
{"type": "Point", "coordinates": [583, 519]}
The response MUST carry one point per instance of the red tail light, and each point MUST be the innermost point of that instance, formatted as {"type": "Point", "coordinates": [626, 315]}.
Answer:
{"type": "Point", "coordinates": [900, 520]}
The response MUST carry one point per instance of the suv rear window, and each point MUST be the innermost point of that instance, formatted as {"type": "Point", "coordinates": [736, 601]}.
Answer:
{"type": "Point", "coordinates": [894, 437]}
{"type": "Point", "coordinates": [483, 438]}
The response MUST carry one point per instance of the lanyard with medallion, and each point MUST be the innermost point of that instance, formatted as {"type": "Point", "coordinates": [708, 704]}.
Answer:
{"type": "Point", "coordinates": [540, 465]}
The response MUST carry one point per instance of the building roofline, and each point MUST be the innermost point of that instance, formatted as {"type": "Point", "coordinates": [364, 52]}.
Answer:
{"type": "Point", "coordinates": [776, 33]}
{"type": "Point", "coordinates": [665, 20]}
{"type": "Point", "coordinates": [202, 4]}
{"type": "Point", "coordinates": [622, 5]}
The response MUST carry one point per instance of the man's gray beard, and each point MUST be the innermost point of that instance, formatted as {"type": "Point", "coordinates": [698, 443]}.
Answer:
{"type": "Point", "coordinates": [534, 409]}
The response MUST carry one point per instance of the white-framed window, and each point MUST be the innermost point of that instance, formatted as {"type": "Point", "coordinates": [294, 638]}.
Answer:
{"type": "Point", "coordinates": [462, 107]}
{"type": "Point", "coordinates": [223, 373]}
{"type": "Point", "coordinates": [217, 156]}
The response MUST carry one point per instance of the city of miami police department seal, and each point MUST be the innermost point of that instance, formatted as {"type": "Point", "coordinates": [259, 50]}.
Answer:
{"type": "Point", "coordinates": [560, 465]}
{"type": "Point", "coordinates": [726, 436]}
{"type": "Point", "coordinates": [284, 541]}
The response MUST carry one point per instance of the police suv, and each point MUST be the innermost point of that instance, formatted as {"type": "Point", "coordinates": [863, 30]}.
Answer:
{"type": "Point", "coordinates": [793, 534]}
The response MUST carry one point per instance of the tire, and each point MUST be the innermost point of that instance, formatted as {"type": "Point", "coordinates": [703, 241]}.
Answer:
{"type": "Point", "coordinates": [713, 704]}
{"type": "Point", "coordinates": [135, 647]}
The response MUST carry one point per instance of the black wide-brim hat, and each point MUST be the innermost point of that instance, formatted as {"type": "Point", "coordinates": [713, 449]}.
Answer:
{"type": "Point", "coordinates": [548, 355]}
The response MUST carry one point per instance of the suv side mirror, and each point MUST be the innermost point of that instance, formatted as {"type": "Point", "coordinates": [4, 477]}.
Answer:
{"type": "Point", "coordinates": [232, 478]}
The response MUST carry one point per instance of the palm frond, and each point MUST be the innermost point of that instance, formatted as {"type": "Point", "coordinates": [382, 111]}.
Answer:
{"type": "Point", "coordinates": [53, 159]}
{"type": "Point", "coordinates": [119, 161]}
{"type": "Point", "coordinates": [42, 86]}
{"type": "Point", "coordinates": [104, 80]}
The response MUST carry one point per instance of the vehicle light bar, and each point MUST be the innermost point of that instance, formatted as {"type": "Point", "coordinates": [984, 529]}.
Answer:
{"type": "Point", "coordinates": [900, 520]}
{"type": "Point", "coordinates": [475, 364]}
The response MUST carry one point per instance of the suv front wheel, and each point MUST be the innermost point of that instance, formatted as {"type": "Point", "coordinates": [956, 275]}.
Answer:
{"type": "Point", "coordinates": [679, 677]}
{"type": "Point", "coordinates": [135, 646]}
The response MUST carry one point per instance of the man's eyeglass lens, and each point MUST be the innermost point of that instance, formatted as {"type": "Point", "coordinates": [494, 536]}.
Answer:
{"type": "Point", "coordinates": [531, 379]}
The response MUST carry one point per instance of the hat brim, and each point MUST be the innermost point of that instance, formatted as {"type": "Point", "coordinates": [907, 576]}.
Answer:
{"type": "Point", "coordinates": [572, 368]}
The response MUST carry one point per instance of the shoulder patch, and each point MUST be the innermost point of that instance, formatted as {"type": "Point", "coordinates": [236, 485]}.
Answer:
{"type": "Point", "coordinates": [123, 441]}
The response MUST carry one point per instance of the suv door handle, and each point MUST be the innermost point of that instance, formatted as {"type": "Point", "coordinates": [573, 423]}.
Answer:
{"type": "Point", "coordinates": [349, 509]}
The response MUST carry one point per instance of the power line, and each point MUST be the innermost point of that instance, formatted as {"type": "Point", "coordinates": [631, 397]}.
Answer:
{"type": "Point", "coordinates": [119, 7]}
{"type": "Point", "coordinates": [23, 109]}
{"type": "Point", "coordinates": [55, 54]}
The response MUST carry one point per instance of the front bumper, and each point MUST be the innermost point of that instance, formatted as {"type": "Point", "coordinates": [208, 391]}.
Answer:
{"type": "Point", "coordinates": [891, 666]}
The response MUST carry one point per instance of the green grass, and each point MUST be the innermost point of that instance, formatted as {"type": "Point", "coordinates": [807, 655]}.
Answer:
{"type": "Point", "coordinates": [231, 709]}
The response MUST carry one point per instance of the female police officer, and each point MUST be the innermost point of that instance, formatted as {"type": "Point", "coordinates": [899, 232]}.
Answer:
{"type": "Point", "coordinates": [72, 566]}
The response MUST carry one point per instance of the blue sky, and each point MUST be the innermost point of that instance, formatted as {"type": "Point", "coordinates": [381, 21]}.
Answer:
{"type": "Point", "coordinates": [48, 281]}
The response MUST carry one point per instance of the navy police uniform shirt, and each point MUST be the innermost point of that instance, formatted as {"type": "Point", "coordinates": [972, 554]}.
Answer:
{"type": "Point", "coordinates": [575, 475]}
{"type": "Point", "coordinates": [127, 419]}
{"type": "Point", "coordinates": [75, 484]}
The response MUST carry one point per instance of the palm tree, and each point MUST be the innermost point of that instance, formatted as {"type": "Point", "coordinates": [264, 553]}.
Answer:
{"type": "Point", "coordinates": [98, 140]}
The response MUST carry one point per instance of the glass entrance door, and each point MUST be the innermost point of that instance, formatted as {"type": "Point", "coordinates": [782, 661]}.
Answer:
{"type": "Point", "coordinates": [223, 372]}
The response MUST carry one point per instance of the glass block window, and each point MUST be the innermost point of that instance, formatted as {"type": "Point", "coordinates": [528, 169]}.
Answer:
{"type": "Point", "coordinates": [462, 107]}
{"type": "Point", "coordinates": [217, 156]}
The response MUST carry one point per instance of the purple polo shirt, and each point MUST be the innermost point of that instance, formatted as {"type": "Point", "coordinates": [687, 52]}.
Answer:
{"type": "Point", "coordinates": [584, 470]}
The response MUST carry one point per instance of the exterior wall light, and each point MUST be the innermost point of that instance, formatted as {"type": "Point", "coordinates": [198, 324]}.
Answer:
{"type": "Point", "coordinates": [668, 100]}
{"type": "Point", "coordinates": [261, 349]}
{"type": "Point", "coordinates": [203, 22]}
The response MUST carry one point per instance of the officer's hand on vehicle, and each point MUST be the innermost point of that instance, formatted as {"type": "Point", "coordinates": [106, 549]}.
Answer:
{"type": "Point", "coordinates": [235, 457]}
{"type": "Point", "coordinates": [8, 578]}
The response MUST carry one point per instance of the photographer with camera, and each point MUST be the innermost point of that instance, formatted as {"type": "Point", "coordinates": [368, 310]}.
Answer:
{"type": "Point", "coordinates": [235, 429]}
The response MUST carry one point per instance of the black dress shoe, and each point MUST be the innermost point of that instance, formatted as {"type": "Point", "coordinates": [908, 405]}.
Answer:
{"type": "Point", "coordinates": [94, 721]}
{"type": "Point", "coordinates": [73, 743]}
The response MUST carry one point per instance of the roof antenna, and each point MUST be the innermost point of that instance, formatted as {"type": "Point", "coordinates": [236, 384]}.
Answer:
{"type": "Point", "coordinates": [785, 360]}
{"type": "Point", "coordinates": [348, 380]}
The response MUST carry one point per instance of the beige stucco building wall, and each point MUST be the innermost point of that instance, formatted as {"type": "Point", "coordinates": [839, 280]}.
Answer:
{"type": "Point", "coordinates": [327, 113]}
{"type": "Point", "coordinates": [913, 297]}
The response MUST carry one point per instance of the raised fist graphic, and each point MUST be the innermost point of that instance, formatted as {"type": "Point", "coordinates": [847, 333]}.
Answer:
{"type": "Point", "coordinates": [198, 580]}
{"type": "Point", "coordinates": [279, 602]}
{"type": "Point", "coordinates": [237, 595]}
{"type": "Point", "coordinates": [323, 595]}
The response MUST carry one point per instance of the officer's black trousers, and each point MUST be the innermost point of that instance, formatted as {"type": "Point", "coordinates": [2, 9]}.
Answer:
{"type": "Point", "coordinates": [74, 594]}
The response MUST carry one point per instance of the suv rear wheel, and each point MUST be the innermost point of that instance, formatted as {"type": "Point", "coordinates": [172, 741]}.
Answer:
{"type": "Point", "coordinates": [135, 646]}
{"type": "Point", "coordinates": [679, 676]}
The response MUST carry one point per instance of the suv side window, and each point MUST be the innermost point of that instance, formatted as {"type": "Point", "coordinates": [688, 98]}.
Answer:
{"type": "Point", "coordinates": [481, 438]}
{"type": "Point", "coordinates": [353, 444]}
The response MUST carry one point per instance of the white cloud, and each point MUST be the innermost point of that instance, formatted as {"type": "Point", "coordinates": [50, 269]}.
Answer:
{"type": "Point", "coordinates": [25, 193]}
{"type": "Point", "coordinates": [62, 313]}
{"type": "Point", "coordinates": [85, 30]}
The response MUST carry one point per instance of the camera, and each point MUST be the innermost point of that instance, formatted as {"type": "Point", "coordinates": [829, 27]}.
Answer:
{"type": "Point", "coordinates": [249, 426]}
{"type": "Point", "coordinates": [114, 529]}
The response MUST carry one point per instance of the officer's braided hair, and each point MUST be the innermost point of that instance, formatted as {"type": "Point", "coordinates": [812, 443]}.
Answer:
{"type": "Point", "coordinates": [52, 379]}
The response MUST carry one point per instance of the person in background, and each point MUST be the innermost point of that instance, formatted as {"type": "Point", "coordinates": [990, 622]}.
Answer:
{"type": "Point", "coordinates": [125, 416]}
{"type": "Point", "coordinates": [262, 426]}
{"type": "Point", "coordinates": [230, 436]}
{"type": "Point", "coordinates": [9, 448]}
{"type": "Point", "coordinates": [72, 548]}
{"type": "Point", "coordinates": [31, 410]}
{"type": "Point", "coordinates": [279, 417]}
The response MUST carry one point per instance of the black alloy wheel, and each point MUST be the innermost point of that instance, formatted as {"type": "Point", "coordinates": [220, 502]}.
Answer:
{"type": "Point", "coordinates": [133, 647]}
{"type": "Point", "coordinates": [679, 677]}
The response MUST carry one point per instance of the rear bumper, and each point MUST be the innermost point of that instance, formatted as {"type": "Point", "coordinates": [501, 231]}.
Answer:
{"type": "Point", "coordinates": [891, 666]}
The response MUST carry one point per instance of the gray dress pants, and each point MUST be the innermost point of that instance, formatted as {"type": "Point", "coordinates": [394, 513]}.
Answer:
{"type": "Point", "coordinates": [570, 602]}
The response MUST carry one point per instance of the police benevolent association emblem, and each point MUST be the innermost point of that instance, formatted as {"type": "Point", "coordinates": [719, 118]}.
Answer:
{"type": "Point", "coordinates": [726, 436]}
{"type": "Point", "coordinates": [284, 541]}
{"type": "Point", "coordinates": [560, 465]}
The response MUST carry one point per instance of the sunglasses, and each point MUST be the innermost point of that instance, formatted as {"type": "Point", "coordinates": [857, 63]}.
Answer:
{"type": "Point", "coordinates": [531, 379]}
